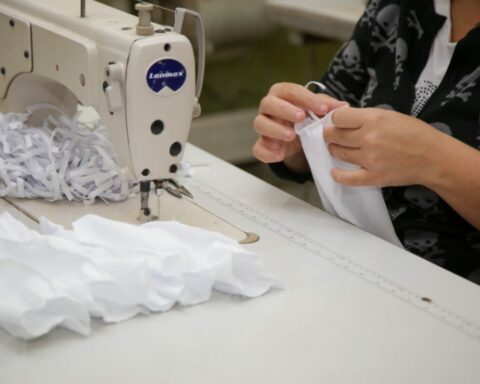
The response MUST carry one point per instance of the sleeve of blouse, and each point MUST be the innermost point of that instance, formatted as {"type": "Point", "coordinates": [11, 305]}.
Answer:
{"type": "Point", "coordinates": [347, 77]}
{"type": "Point", "coordinates": [283, 172]}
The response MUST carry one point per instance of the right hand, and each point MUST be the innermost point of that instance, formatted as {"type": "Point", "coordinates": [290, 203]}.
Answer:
{"type": "Point", "coordinates": [285, 105]}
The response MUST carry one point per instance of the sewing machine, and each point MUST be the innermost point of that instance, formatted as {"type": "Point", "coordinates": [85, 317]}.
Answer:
{"type": "Point", "coordinates": [355, 309]}
{"type": "Point", "coordinates": [138, 76]}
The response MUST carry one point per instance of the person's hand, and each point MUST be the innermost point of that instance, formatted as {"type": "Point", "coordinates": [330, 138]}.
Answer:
{"type": "Point", "coordinates": [285, 105]}
{"type": "Point", "coordinates": [391, 148]}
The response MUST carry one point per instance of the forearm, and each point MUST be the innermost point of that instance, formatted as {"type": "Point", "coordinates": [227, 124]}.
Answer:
{"type": "Point", "coordinates": [455, 176]}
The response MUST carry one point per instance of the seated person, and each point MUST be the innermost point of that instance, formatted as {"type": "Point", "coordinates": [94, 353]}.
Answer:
{"type": "Point", "coordinates": [411, 76]}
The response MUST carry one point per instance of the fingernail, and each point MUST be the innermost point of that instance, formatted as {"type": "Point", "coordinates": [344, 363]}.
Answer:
{"type": "Point", "coordinates": [323, 109]}
{"type": "Point", "coordinates": [298, 115]}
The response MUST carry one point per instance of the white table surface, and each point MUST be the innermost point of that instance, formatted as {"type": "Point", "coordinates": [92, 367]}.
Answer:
{"type": "Point", "coordinates": [330, 324]}
{"type": "Point", "coordinates": [334, 19]}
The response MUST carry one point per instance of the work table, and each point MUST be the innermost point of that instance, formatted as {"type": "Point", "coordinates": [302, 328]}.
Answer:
{"type": "Point", "coordinates": [354, 309]}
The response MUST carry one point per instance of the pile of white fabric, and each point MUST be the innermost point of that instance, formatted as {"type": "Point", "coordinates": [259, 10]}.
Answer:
{"type": "Point", "coordinates": [63, 159]}
{"type": "Point", "coordinates": [113, 271]}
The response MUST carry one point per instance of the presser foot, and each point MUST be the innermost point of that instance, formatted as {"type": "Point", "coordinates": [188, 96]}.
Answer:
{"type": "Point", "coordinates": [170, 186]}
{"type": "Point", "coordinates": [145, 215]}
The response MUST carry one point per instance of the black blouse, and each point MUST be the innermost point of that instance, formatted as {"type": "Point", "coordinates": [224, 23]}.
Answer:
{"type": "Point", "coordinates": [379, 67]}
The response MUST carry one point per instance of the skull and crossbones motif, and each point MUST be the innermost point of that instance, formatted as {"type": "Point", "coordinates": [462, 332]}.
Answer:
{"type": "Point", "coordinates": [395, 213]}
{"type": "Point", "coordinates": [425, 243]}
{"type": "Point", "coordinates": [368, 17]}
{"type": "Point", "coordinates": [413, 22]}
{"type": "Point", "coordinates": [385, 28]}
{"type": "Point", "coordinates": [339, 91]}
{"type": "Point", "coordinates": [401, 55]}
{"type": "Point", "coordinates": [371, 86]}
{"type": "Point", "coordinates": [422, 198]}
{"type": "Point", "coordinates": [349, 61]}
{"type": "Point", "coordinates": [463, 89]}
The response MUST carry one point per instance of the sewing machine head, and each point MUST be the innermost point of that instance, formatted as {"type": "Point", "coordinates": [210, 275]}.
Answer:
{"type": "Point", "coordinates": [139, 76]}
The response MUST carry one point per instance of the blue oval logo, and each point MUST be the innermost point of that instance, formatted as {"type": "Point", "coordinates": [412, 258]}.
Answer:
{"type": "Point", "coordinates": [166, 73]}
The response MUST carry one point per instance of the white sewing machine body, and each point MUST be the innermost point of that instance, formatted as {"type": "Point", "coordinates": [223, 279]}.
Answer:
{"type": "Point", "coordinates": [143, 87]}
{"type": "Point", "coordinates": [354, 308]}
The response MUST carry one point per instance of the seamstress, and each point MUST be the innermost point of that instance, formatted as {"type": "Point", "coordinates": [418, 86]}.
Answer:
{"type": "Point", "coordinates": [411, 76]}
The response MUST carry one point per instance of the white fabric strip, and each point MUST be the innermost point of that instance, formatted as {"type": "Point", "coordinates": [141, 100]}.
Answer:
{"type": "Point", "coordinates": [63, 159]}
{"type": "Point", "coordinates": [360, 206]}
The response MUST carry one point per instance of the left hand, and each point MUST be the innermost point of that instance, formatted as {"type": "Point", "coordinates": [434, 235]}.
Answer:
{"type": "Point", "coordinates": [391, 148]}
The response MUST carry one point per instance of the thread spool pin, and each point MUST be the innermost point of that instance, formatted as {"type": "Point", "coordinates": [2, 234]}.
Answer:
{"type": "Point", "coordinates": [144, 26]}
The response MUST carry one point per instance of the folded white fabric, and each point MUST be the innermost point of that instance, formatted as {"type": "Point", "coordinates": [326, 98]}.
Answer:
{"type": "Point", "coordinates": [360, 206]}
{"type": "Point", "coordinates": [62, 159]}
{"type": "Point", "coordinates": [113, 271]}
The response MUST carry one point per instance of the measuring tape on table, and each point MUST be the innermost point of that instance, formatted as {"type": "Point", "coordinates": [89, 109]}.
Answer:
{"type": "Point", "coordinates": [416, 300]}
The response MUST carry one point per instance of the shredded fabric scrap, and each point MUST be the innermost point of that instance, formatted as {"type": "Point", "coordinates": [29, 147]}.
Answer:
{"type": "Point", "coordinates": [114, 271]}
{"type": "Point", "coordinates": [62, 159]}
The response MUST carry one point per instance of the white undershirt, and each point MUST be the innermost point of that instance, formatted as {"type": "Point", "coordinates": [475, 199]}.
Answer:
{"type": "Point", "coordinates": [440, 56]}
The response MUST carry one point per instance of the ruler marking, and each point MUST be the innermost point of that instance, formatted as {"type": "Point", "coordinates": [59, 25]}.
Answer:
{"type": "Point", "coordinates": [435, 310]}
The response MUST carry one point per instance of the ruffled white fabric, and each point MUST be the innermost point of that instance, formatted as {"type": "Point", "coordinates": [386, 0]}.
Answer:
{"type": "Point", "coordinates": [363, 207]}
{"type": "Point", "coordinates": [63, 159]}
{"type": "Point", "coordinates": [113, 271]}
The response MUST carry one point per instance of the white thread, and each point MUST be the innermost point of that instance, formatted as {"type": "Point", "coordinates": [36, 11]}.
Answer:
{"type": "Point", "coordinates": [322, 88]}
{"type": "Point", "coordinates": [156, 6]}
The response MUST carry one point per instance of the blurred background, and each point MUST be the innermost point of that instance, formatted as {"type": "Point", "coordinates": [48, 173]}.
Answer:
{"type": "Point", "coordinates": [251, 45]}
